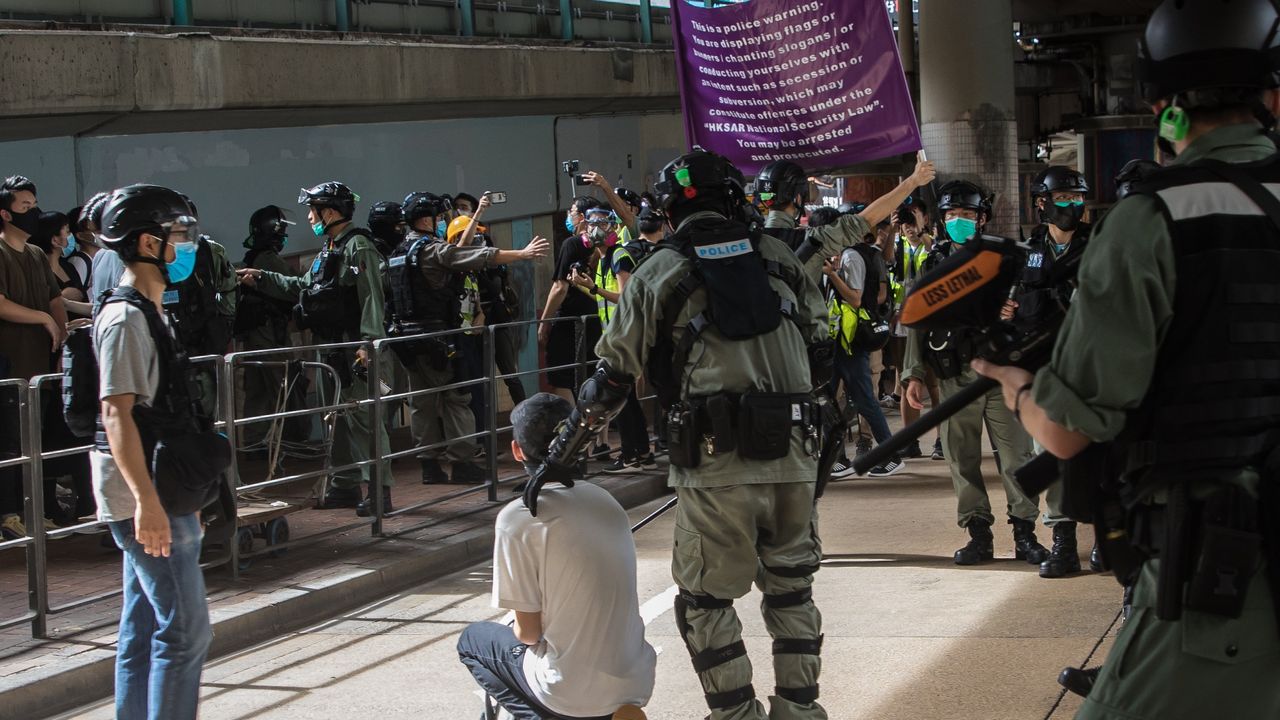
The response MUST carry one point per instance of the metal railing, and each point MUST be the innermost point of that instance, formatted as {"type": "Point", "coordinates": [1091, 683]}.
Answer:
{"type": "Point", "coordinates": [226, 371]}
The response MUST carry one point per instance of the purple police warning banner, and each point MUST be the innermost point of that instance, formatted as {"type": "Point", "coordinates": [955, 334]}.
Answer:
{"type": "Point", "coordinates": [817, 82]}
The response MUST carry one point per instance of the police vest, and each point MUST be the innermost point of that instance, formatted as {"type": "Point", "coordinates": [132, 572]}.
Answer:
{"type": "Point", "coordinates": [1045, 289]}
{"type": "Point", "coordinates": [193, 304]}
{"type": "Point", "coordinates": [793, 237]}
{"type": "Point", "coordinates": [607, 279]}
{"type": "Point", "coordinates": [1213, 405]}
{"type": "Point", "coordinates": [414, 306]}
{"type": "Point", "coordinates": [254, 308]}
{"type": "Point", "coordinates": [329, 309]}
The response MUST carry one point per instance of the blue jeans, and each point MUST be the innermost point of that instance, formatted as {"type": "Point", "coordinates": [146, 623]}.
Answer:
{"type": "Point", "coordinates": [496, 660]}
{"type": "Point", "coordinates": [854, 370]}
{"type": "Point", "coordinates": [164, 625]}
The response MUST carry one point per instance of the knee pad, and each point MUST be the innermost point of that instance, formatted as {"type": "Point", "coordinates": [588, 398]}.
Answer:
{"type": "Point", "coordinates": [779, 601]}
{"type": "Point", "coordinates": [705, 660]}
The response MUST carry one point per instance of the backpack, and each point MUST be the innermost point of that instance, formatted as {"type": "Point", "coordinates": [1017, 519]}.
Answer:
{"type": "Point", "coordinates": [872, 330]}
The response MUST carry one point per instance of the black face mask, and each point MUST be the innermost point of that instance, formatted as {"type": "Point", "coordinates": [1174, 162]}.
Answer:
{"type": "Point", "coordinates": [28, 222]}
{"type": "Point", "coordinates": [1064, 218]}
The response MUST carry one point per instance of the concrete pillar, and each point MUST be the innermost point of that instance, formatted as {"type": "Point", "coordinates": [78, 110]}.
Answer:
{"type": "Point", "coordinates": [907, 50]}
{"type": "Point", "coordinates": [967, 100]}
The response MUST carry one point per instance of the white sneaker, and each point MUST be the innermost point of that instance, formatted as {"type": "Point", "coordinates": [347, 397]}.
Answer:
{"type": "Point", "coordinates": [842, 469]}
{"type": "Point", "coordinates": [889, 467]}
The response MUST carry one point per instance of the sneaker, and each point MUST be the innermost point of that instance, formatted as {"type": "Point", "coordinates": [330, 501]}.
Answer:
{"type": "Point", "coordinates": [842, 469]}
{"type": "Point", "coordinates": [912, 451]}
{"type": "Point", "coordinates": [888, 402]}
{"type": "Point", "coordinates": [11, 528]}
{"type": "Point", "coordinates": [648, 463]}
{"type": "Point", "coordinates": [937, 450]}
{"type": "Point", "coordinates": [889, 467]}
{"type": "Point", "coordinates": [622, 467]}
{"type": "Point", "coordinates": [862, 447]}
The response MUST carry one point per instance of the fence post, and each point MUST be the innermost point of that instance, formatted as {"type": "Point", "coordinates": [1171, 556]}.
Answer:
{"type": "Point", "coordinates": [374, 383]}
{"type": "Point", "coordinates": [225, 373]}
{"type": "Point", "coordinates": [491, 409]}
{"type": "Point", "coordinates": [37, 559]}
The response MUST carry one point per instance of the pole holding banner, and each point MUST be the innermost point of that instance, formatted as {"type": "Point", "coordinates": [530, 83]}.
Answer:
{"type": "Point", "coordinates": [818, 82]}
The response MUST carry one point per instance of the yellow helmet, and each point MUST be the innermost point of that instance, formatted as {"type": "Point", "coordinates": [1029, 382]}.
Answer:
{"type": "Point", "coordinates": [457, 226]}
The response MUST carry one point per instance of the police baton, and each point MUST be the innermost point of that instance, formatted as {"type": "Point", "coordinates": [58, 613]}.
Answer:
{"type": "Point", "coordinates": [928, 421]}
{"type": "Point", "coordinates": [655, 514]}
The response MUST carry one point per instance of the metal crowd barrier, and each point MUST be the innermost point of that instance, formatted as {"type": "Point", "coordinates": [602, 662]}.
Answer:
{"type": "Point", "coordinates": [226, 370]}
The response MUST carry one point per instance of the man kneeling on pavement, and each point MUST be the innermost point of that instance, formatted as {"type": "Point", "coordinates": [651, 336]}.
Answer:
{"type": "Point", "coordinates": [577, 647]}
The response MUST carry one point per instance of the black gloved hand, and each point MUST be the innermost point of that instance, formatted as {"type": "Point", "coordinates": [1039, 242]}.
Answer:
{"type": "Point", "coordinates": [546, 472]}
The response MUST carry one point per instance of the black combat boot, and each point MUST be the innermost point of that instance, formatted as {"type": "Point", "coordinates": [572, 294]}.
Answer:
{"type": "Point", "coordinates": [1064, 558]}
{"type": "Point", "coordinates": [337, 498]}
{"type": "Point", "coordinates": [1079, 680]}
{"type": "Point", "coordinates": [365, 508]}
{"type": "Point", "coordinates": [1025, 545]}
{"type": "Point", "coordinates": [1096, 563]}
{"type": "Point", "coordinates": [432, 473]}
{"type": "Point", "coordinates": [980, 547]}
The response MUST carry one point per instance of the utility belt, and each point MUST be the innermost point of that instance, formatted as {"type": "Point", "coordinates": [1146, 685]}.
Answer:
{"type": "Point", "coordinates": [755, 425]}
{"type": "Point", "coordinates": [1209, 549]}
{"type": "Point", "coordinates": [439, 352]}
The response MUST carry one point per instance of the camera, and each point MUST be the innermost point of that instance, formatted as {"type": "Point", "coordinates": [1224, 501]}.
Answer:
{"type": "Point", "coordinates": [570, 167]}
{"type": "Point", "coordinates": [578, 268]}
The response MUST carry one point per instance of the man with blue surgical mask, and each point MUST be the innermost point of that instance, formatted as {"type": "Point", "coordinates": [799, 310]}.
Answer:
{"type": "Point", "coordinates": [965, 209]}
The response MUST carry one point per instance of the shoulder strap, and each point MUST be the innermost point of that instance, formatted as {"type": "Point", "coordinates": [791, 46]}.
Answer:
{"type": "Point", "coordinates": [1248, 185]}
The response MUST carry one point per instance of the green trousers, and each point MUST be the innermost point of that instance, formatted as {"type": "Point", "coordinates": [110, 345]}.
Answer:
{"type": "Point", "coordinates": [435, 417]}
{"type": "Point", "coordinates": [1052, 496]}
{"type": "Point", "coordinates": [725, 539]}
{"type": "Point", "coordinates": [962, 442]}
{"type": "Point", "coordinates": [353, 439]}
{"type": "Point", "coordinates": [1202, 666]}
{"type": "Point", "coordinates": [262, 385]}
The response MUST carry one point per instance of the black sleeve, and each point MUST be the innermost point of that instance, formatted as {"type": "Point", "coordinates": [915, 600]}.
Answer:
{"type": "Point", "coordinates": [570, 253]}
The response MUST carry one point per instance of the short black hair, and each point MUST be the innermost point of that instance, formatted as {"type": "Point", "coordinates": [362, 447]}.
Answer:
{"type": "Point", "coordinates": [51, 224]}
{"type": "Point", "coordinates": [824, 215]}
{"type": "Point", "coordinates": [650, 220]}
{"type": "Point", "coordinates": [468, 197]}
{"type": "Point", "coordinates": [585, 203]}
{"type": "Point", "coordinates": [12, 185]}
{"type": "Point", "coordinates": [536, 422]}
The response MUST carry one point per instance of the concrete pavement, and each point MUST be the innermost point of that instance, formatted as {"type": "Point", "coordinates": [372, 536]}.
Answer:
{"type": "Point", "coordinates": [908, 634]}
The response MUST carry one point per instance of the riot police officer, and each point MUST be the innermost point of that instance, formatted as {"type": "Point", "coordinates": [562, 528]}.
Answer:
{"type": "Point", "coordinates": [426, 283]}
{"type": "Point", "coordinates": [262, 321]}
{"type": "Point", "coordinates": [1042, 294]}
{"type": "Point", "coordinates": [782, 188]}
{"type": "Point", "coordinates": [1168, 352]}
{"type": "Point", "coordinates": [386, 222]}
{"type": "Point", "coordinates": [727, 348]}
{"type": "Point", "coordinates": [340, 299]}
{"type": "Point", "coordinates": [966, 209]}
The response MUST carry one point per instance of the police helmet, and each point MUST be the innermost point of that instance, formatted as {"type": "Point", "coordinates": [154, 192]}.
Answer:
{"type": "Point", "coordinates": [418, 205]}
{"type": "Point", "coordinates": [269, 222]}
{"type": "Point", "coordinates": [1133, 172]}
{"type": "Point", "coordinates": [136, 209]}
{"type": "Point", "coordinates": [386, 214]}
{"type": "Point", "coordinates": [630, 197]}
{"type": "Point", "coordinates": [1193, 45]}
{"type": "Point", "coordinates": [700, 178]}
{"type": "Point", "coordinates": [331, 194]}
{"type": "Point", "coordinates": [780, 182]}
{"type": "Point", "coordinates": [965, 195]}
{"type": "Point", "coordinates": [1058, 178]}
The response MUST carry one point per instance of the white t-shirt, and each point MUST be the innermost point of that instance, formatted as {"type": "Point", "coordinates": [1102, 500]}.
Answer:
{"type": "Point", "coordinates": [576, 564]}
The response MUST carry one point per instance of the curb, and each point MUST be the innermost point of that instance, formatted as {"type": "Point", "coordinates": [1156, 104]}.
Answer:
{"type": "Point", "coordinates": [90, 676]}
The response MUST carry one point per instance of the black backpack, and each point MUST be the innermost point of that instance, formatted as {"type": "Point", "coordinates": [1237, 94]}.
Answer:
{"type": "Point", "coordinates": [873, 335]}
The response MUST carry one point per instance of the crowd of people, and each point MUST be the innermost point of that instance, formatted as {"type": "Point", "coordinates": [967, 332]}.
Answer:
{"type": "Point", "coordinates": [765, 327]}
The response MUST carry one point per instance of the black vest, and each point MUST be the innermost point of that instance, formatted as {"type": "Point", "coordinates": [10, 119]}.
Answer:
{"type": "Point", "coordinates": [413, 305]}
{"type": "Point", "coordinates": [1045, 285]}
{"type": "Point", "coordinates": [330, 310]}
{"type": "Point", "coordinates": [1213, 406]}
{"type": "Point", "coordinates": [193, 304]}
{"type": "Point", "coordinates": [255, 308]}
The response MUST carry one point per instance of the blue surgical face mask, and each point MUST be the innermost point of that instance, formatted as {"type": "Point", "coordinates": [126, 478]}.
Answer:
{"type": "Point", "coordinates": [318, 229]}
{"type": "Point", "coordinates": [70, 249]}
{"type": "Point", "coordinates": [568, 223]}
{"type": "Point", "coordinates": [184, 262]}
{"type": "Point", "coordinates": [961, 229]}
{"type": "Point", "coordinates": [442, 228]}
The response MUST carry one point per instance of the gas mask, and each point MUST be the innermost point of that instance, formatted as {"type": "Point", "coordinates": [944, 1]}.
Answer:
{"type": "Point", "coordinates": [1063, 215]}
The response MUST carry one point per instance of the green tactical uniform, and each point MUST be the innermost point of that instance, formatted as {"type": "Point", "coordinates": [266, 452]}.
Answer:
{"type": "Point", "coordinates": [450, 410]}
{"type": "Point", "coordinates": [846, 232]}
{"type": "Point", "coordinates": [961, 436]}
{"type": "Point", "coordinates": [223, 275]}
{"type": "Point", "coordinates": [1101, 369]}
{"type": "Point", "coordinates": [267, 329]}
{"type": "Point", "coordinates": [353, 436]}
{"type": "Point", "coordinates": [738, 521]}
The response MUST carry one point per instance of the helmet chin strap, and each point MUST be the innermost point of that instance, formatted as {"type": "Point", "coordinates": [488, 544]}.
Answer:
{"type": "Point", "coordinates": [159, 262]}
